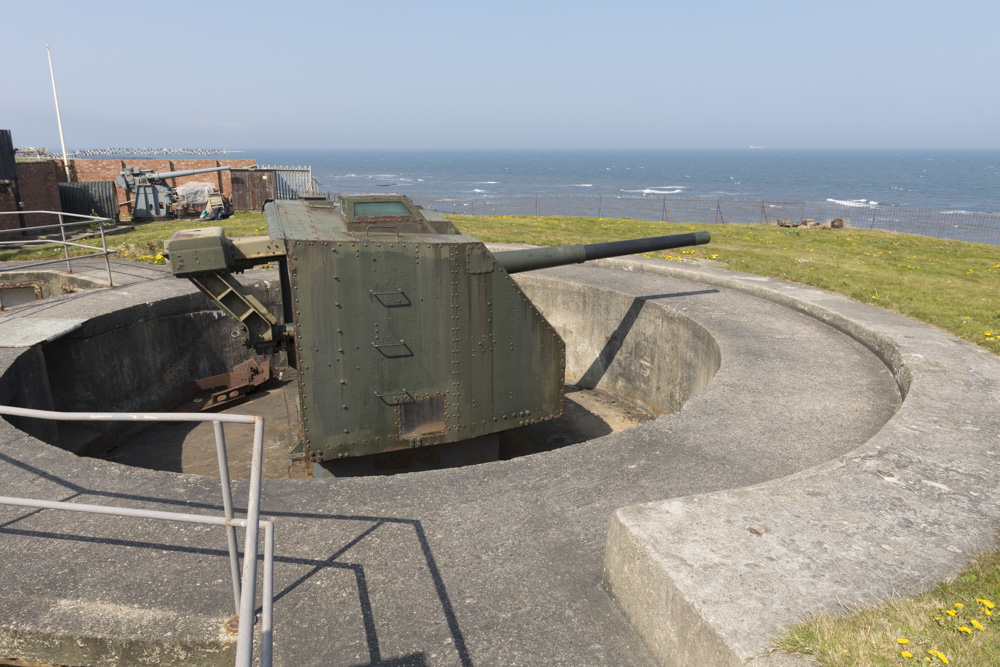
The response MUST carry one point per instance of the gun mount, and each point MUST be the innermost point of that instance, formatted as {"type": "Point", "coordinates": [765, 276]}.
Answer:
{"type": "Point", "coordinates": [153, 198]}
{"type": "Point", "coordinates": [405, 333]}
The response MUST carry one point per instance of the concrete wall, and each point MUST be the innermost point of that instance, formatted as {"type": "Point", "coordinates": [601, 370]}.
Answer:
{"type": "Point", "coordinates": [47, 284]}
{"type": "Point", "coordinates": [136, 359]}
{"type": "Point", "coordinates": [639, 349]}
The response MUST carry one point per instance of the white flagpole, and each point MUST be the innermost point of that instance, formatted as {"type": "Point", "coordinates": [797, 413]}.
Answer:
{"type": "Point", "coordinates": [62, 141]}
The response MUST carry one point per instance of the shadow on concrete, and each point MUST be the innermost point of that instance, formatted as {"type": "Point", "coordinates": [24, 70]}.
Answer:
{"type": "Point", "coordinates": [606, 356]}
{"type": "Point", "coordinates": [317, 566]}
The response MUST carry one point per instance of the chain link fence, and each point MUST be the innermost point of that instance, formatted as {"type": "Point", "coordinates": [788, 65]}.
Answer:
{"type": "Point", "coordinates": [957, 225]}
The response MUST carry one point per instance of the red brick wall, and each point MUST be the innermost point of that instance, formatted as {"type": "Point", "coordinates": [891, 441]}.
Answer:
{"type": "Point", "coordinates": [38, 183]}
{"type": "Point", "coordinates": [8, 203]}
{"type": "Point", "coordinates": [108, 170]}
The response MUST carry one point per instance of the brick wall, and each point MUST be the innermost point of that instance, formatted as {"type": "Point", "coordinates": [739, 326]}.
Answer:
{"type": "Point", "coordinates": [8, 202]}
{"type": "Point", "coordinates": [108, 170]}
{"type": "Point", "coordinates": [39, 189]}
{"type": "Point", "coordinates": [38, 183]}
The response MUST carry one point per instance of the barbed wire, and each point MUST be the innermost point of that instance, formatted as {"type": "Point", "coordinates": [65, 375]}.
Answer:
{"type": "Point", "coordinates": [41, 152]}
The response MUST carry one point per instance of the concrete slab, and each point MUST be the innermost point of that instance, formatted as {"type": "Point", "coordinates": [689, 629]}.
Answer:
{"type": "Point", "coordinates": [508, 562]}
{"type": "Point", "coordinates": [25, 332]}
{"type": "Point", "coordinates": [711, 578]}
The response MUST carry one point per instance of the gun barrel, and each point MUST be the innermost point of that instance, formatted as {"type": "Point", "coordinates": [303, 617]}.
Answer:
{"type": "Point", "coordinates": [515, 261]}
{"type": "Point", "coordinates": [185, 172]}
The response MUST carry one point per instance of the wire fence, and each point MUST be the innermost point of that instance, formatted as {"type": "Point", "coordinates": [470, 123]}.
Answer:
{"type": "Point", "coordinates": [957, 225]}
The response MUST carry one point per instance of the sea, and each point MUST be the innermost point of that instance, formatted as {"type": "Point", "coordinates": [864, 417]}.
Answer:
{"type": "Point", "coordinates": [943, 180]}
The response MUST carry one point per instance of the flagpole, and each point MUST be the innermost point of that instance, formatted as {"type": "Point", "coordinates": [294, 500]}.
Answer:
{"type": "Point", "coordinates": [62, 141]}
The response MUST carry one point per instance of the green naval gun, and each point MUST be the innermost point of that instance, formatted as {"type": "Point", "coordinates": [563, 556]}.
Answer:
{"type": "Point", "coordinates": [405, 333]}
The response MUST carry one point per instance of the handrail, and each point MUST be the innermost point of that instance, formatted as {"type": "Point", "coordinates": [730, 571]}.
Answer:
{"type": "Point", "coordinates": [87, 220]}
{"type": "Point", "coordinates": [244, 588]}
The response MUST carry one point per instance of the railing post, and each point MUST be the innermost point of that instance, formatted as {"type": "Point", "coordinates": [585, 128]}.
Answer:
{"type": "Point", "coordinates": [267, 593]}
{"type": "Point", "coordinates": [227, 504]}
{"type": "Point", "coordinates": [104, 246]}
{"type": "Point", "coordinates": [62, 231]}
{"type": "Point", "coordinates": [244, 641]}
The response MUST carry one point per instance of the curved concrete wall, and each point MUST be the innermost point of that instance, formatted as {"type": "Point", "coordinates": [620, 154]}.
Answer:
{"type": "Point", "coordinates": [135, 359]}
{"type": "Point", "coordinates": [529, 533]}
{"type": "Point", "coordinates": [637, 348]}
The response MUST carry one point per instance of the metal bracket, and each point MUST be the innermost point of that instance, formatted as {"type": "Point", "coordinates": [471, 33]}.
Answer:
{"type": "Point", "coordinates": [382, 346]}
{"type": "Point", "coordinates": [401, 392]}
{"type": "Point", "coordinates": [259, 328]}
{"type": "Point", "coordinates": [389, 302]}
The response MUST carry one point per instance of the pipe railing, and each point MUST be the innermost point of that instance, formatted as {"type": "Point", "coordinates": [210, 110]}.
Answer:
{"type": "Point", "coordinates": [244, 588]}
{"type": "Point", "coordinates": [61, 226]}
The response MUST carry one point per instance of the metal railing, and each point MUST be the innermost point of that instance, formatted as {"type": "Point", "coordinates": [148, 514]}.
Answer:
{"type": "Point", "coordinates": [61, 226]}
{"type": "Point", "coordinates": [244, 588]}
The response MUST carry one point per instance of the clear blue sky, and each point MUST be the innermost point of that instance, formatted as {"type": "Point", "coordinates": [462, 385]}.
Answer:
{"type": "Point", "coordinates": [433, 74]}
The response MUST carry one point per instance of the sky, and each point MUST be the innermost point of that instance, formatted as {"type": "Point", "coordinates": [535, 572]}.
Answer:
{"type": "Point", "coordinates": [512, 74]}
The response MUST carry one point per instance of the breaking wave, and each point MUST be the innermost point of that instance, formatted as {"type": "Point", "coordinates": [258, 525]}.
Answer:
{"type": "Point", "coordinates": [854, 203]}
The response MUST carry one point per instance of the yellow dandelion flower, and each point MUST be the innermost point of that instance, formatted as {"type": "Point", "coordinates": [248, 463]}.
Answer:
{"type": "Point", "coordinates": [902, 641]}
{"type": "Point", "coordinates": [951, 612]}
{"type": "Point", "coordinates": [959, 605]}
{"type": "Point", "coordinates": [977, 625]}
{"type": "Point", "coordinates": [985, 603]}
{"type": "Point", "coordinates": [939, 655]}
{"type": "Point", "coordinates": [987, 611]}
{"type": "Point", "coordinates": [906, 654]}
{"type": "Point", "coordinates": [964, 629]}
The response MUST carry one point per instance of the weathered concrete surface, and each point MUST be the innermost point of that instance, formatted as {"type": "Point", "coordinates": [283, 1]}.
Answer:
{"type": "Point", "coordinates": [500, 563]}
{"type": "Point", "coordinates": [711, 578]}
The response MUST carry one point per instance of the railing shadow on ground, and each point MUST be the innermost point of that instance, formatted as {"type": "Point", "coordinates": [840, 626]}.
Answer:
{"type": "Point", "coordinates": [316, 565]}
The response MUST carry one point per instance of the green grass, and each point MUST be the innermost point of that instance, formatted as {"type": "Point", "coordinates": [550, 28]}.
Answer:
{"type": "Point", "coordinates": [145, 242]}
{"type": "Point", "coordinates": [948, 284]}
{"type": "Point", "coordinates": [930, 622]}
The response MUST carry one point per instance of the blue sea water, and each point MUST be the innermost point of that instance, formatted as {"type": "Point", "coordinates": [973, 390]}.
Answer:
{"type": "Point", "coordinates": [944, 180]}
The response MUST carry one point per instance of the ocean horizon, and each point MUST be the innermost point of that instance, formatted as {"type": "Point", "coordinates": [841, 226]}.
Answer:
{"type": "Point", "coordinates": [951, 180]}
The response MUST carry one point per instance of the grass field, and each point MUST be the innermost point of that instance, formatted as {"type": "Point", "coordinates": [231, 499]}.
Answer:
{"type": "Point", "coordinates": [947, 284]}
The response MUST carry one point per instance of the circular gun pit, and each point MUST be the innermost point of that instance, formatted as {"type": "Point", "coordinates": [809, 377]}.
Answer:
{"type": "Point", "coordinates": [190, 448]}
{"type": "Point", "coordinates": [628, 360]}
{"type": "Point", "coordinates": [749, 381]}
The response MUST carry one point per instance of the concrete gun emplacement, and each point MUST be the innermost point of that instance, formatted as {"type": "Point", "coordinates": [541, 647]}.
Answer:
{"type": "Point", "coordinates": [405, 333]}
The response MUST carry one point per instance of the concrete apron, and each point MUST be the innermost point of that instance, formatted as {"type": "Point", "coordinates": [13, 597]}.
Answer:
{"type": "Point", "coordinates": [502, 563]}
{"type": "Point", "coordinates": [711, 579]}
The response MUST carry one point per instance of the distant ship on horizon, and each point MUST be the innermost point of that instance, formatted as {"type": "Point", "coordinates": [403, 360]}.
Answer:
{"type": "Point", "coordinates": [756, 146]}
